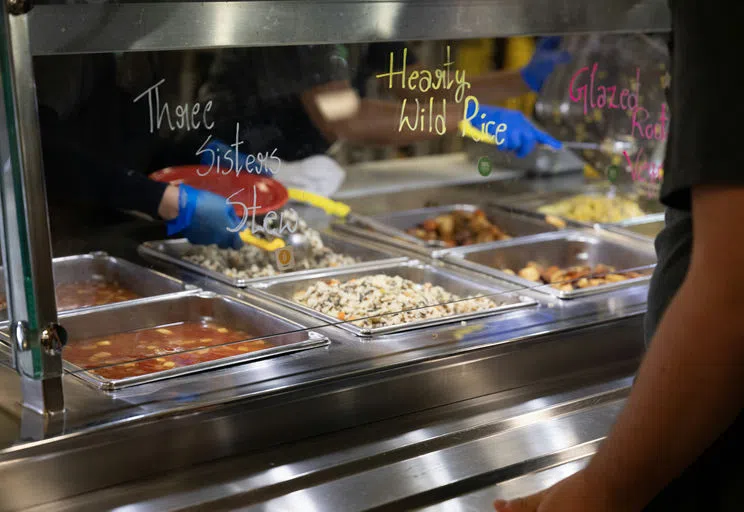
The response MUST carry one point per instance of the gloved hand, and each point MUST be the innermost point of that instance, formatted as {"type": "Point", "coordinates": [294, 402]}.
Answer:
{"type": "Point", "coordinates": [543, 61]}
{"type": "Point", "coordinates": [520, 136]}
{"type": "Point", "coordinates": [204, 217]}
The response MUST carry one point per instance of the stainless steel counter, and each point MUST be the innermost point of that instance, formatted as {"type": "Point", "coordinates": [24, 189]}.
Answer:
{"type": "Point", "coordinates": [457, 457]}
{"type": "Point", "coordinates": [533, 388]}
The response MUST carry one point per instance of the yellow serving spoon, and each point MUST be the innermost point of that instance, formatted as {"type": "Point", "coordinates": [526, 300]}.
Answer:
{"type": "Point", "coordinates": [474, 133]}
{"type": "Point", "coordinates": [330, 206]}
{"type": "Point", "coordinates": [248, 238]}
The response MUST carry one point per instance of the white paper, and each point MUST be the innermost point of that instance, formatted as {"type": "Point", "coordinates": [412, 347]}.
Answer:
{"type": "Point", "coordinates": [318, 174]}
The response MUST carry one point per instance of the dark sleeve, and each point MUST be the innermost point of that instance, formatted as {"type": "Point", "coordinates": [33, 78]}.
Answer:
{"type": "Point", "coordinates": [378, 56]}
{"type": "Point", "coordinates": [272, 72]}
{"type": "Point", "coordinates": [706, 134]}
{"type": "Point", "coordinates": [81, 174]}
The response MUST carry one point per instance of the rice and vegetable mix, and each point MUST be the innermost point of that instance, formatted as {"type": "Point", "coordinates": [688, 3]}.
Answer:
{"type": "Point", "coordinates": [251, 262]}
{"type": "Point", "coordinates": [382, 295]}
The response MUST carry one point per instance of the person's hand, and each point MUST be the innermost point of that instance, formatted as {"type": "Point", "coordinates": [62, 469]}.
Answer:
{"type": "Point", "coordinates": [543, 62]}
{"type": "Point", "coordinates": [520, 136]}
{"type": "Point", "coordinates": [203, 218]}
{"type": "Point", "coordinates": [574, 494]}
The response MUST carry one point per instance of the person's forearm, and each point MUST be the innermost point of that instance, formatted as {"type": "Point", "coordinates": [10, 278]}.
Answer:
{"type": "Point", "coordinates": [690, 387]}
{"type": "Point", "coordinates": [379, 122]}
{"type": "Point", "coordinates": [498, 86]}
{"type": "Point", "coordinates": [493, 87]}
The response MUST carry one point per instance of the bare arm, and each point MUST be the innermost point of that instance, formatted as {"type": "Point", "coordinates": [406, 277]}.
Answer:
{"type": "Point", "coordinates": [690, 386]}
{"type": "Point", "coordinates": [378, 121]}
{"type": "Point", "coordinates": [490, 88]}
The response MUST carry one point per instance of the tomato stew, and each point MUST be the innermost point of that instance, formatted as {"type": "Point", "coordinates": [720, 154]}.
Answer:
{"type": "Point", "coordinates": [84, 294]}
{"type": "Point", "coordinates": [163, 345]}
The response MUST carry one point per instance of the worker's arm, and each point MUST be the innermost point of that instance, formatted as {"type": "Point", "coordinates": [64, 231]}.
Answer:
{"type": "Point", "coordinates": [496, 87]}
{"type": "Point", "coordinates": [492, 87]}
{"type": "Point", "coordinates": [389, 123]}
{"type": "Point", "coordinates": [85, 175]}
{"type": "Point", "coordinates": [377, 122]}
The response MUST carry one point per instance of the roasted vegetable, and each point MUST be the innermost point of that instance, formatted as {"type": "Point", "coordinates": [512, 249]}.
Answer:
{"type": "Point", "coordinates": [459, 228]}
{"type": "Point", "coordinates": [571, 278]}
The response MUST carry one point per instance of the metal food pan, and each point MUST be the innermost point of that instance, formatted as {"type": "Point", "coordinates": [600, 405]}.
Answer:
{"type": "Point", "coordinates": [644, 227]}
{"type": "Point", "coordinates": [533, 201]}
{"type": "Point", "coordinates": [391, 228]}
{"type": "Point", "coordinates": [563, 249]}
{"type": "Point", "coordinates": [284, 335]}
{"type": "Point", "coordinates": [143, 281]}
{"type": "Point", "coordinates": [173, 251]}
{"type": "Point", "coordinates": [282, 290]}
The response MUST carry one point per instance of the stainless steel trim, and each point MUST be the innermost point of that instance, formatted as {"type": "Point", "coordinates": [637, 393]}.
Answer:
{"type": "Point", "coordinates": [530, 202]}
{"type": "Point", "coordinates": [533, 370]}
{"type": "Point", "coordinates": [436, 275]}
{"type": "Point", "coordinates": [629, 227]}
{"type": "Point", "coordinates": [438, 445]}
{"type": "Point", "coordinates": [377, 223]}
{"type": "Point", "coordinates": [390, 228]}
{"type": "Point", "coordinates": [26, 239]}
{"type": "Point", "coordinates": [122, 26]}
{"type": "Point", "coordinates": [382, 238]}
{"type": "Point", "coordinates": [147, 283]}
{"type": "Point", "coordinates": [647, 219]}
{"type": "Point", "coordinates": [642, 250]}
{"type": "Point", "coordinates": [168, 251]}
{"type": "Point", "coordinates": [290, 337]}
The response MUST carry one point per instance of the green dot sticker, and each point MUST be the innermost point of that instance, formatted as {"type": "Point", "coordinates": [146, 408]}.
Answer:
{"type": "Point", "coordinates": [613, 172]}
{"type": "Point", "coordinates": [484, 166]}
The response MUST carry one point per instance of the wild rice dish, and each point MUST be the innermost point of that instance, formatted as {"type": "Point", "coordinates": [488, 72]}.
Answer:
{"type": "Point", "coordinates": [250, 262]}
{"type": "Point", "coordinates": [382, 294]}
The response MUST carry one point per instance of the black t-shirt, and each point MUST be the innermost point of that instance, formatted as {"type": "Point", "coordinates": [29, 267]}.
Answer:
{"type": "Point", "coordinates": [704, 147]}
{"type": "Point", "coordinates": [260, 88]}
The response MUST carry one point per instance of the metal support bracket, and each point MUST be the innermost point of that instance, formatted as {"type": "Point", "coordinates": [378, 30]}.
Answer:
{"type": "Point", "coordinates": [26, 245]}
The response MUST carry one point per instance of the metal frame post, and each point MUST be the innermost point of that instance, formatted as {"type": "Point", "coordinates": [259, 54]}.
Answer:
{"type": "Point", "coordinates": [26, 244]}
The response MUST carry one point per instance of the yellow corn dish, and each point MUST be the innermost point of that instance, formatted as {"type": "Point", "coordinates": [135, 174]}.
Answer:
{"type": "Point", "coordinates": [591, 209]}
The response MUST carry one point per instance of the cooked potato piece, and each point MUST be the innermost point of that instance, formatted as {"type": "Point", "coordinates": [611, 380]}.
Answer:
{"type": "Point", "coordinates": [558, 276]}
{"type": "Point", "coordinates": [530, 273]}
{"type": "Point", "coordinates": [549, 272]}
{"type": "Point", "coordinates": [614, 278]}
{"type": "Point", "coordinates": [555, 221]}
{"type": "Point", "coordinates": [577, 276]}
{"type": "Point", "coordinates": [462, 227]}
{"type": "Point", "coordinates": [445, 225]}
{"type": "Point", "coordinates": [508, 271]}
{"type": "Point", "coordinates": [429, 225]}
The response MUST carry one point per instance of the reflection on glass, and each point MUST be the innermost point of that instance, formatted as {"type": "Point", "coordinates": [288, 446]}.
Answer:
{"type": "Point", "coordinates": [198, 164]}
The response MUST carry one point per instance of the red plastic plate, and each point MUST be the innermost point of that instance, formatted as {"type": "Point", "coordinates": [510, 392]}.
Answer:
{"type": "Point", "coordinates": [270, 194]}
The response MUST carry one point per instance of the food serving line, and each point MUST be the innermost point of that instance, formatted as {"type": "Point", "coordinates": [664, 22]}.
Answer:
{"type": "Point", "coordinates": [305, 372]}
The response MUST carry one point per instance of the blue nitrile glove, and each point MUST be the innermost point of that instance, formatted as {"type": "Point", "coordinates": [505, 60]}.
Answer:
{"type": "Point", "coordinates": [220, 148]}
{"type": "Point", "coordinates": [204, 217]}
{"type": "Point", "coordinates": [543, 61]}
{"type": "Point", "coordinates": [520, 136]}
